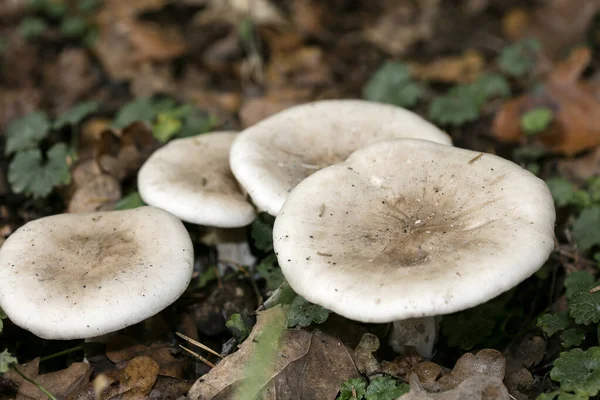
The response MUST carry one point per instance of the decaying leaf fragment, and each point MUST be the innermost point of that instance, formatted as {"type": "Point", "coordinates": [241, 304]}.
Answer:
{"type": "Point", "coordinates": [475, 376]}
{"type": "Point", "coordinates": [304, 365]}
{"type": "Point", "coordinates": [574, 103]}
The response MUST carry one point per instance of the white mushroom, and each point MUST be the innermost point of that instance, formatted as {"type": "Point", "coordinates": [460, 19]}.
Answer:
{"type": "Point", "coordinates": [270, 158]}
{"type": "Point", "coordinates": [74, 276]}
{"type": "Point", "coordinates": [409, 228]}
{"type": "Point", "coordinates": [191, 179]}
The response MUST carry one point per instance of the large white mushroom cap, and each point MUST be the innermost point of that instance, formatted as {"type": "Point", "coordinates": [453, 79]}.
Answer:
{"type": "Point", "coordinates": [270, 158]}
{"type": "Point", "coordinates": [409, 228]}
{"type": "Point", "coordinates": [191, 179]}
{"type": "Point", "coordinates": [74, 276]}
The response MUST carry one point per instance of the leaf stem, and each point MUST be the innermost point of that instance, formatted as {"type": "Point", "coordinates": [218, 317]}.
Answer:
{"type": "Point", "coordinates": [61, 353]}
{"type": "Point", "coordinates": [40, 387]}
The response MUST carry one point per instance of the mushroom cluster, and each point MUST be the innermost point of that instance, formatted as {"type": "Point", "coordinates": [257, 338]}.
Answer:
{"type": "Point", "coordinates": [378, 218]}
{"type": "Point", "coordinates": [408, 228]}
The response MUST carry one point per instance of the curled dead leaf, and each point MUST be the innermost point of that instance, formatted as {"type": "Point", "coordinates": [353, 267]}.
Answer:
{"type": "Point", "coordinates": [575, 105]}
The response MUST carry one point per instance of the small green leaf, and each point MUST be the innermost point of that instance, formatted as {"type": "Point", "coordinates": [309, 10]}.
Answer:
{"type": "Point", "coordinates": [562, 190]}
{"type": "Point", "coordinates": [32, 27]}
{"type": "Point", "coordinates": [56, 9]}
{"type": "Point", "coordinates": [238, 327]}
{"type": "Point", "coordinates": [488, 86]}
{"type": "Point", "coordinates": [529, 152]}
{"type": "Point", "coordinates": [353, 386]}
{"type": "Point", "coordinates": [584, 307]}
{"type": "Point", "coordinates": [270, 271]}
{"type": "Point", "coordinates": [30, 174]}
{"type": "Point", "coordinates": [73, 26]}
{"type": "Point", "coordinates": [2, 314]}
{"type": "Point", "coordinates": [166, 127]}
{"type": "Point", "coordinates": [392, 84]}
{"type": "Point", "coordinates": [196, 123]}
{"type": "Point", "coordinates": [536, 120]}
{"type": "Point", "coordinates": [385, 388]}
{"type": "Point", "coordinates": [6, 360]}
{"type": "Point", "coordinates": [578, 281]}
{"type": "Point", "coordinates": [302, 313]}
{"type": "Point", "coordinates": [572, 396]}
{"type": "Point", "coordinates": [578, 371]}
{"type": "Point", "coordinates": [27, 132]}
{"type": "Point", "coordinates": [76, 114]}
{"type": "Point", "coordinates": [140, 109]}
{"type": "Point", "coordinates": [454, 109]}
{"type": "Point", "coordinates": [87, 6]}
{"type": "Point", "coordinates": [262, 232]}
{"type": "Point", "coordinates": [547, 396]}
{"type": "Point", "coordinates": [553, 323]}
{"type": "Point", "coordinates": [132, 200]}
{"type": "Point", "coordinates": [572, 337]}
{"type": "Point", "coordinates": [519, 58]}
{"type": "Point", "coordinates": [586, 229]}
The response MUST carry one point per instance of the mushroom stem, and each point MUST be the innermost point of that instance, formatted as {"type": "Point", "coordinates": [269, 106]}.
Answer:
{"type": "Point", "coordinates": [420, 333]}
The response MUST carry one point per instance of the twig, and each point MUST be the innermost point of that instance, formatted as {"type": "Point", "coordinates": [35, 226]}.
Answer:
{"type": "Point", "coordinates": [197, 343]}
{"type": "Point", "coordinates": [198, 356]}
{"type": "Point", "coordinates": [40, 387]}
{"type": "Point", "coordinates": [61, 353]}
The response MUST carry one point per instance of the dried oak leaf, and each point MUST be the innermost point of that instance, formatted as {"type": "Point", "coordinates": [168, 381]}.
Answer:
{"type": "Point", "coordinates": [575, 105]}
{"type": "Point", "coordinates": [462, 69]}
{"type": "Point", "coordinates": [579, 170]}
{"type": "Point", "coordinates": [307, 365]}
{"type": "Point", "coordinates": [60, 383]}
{"type": "Point", "coordinates": [122, 348]}
{"type": "Point", "coordinates": [478, 387]}
{"type": "Point", "coordinates": [134, 382]}
{"type": "Point", "coordinates": [16, 103]}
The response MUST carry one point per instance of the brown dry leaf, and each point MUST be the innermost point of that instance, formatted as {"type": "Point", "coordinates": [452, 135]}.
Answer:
{"type": "Point", "coordinates": [559, 25]}
{"type": "Point", "coordinates": [124, 348]}
{"type": "Point", "coordinates": [576, 107]}
{"type": "Point", "coordinates": [134, 382]}
{"type": "Point", "coordinates": [478, 387]}
{"type": "Point", "coordinates": [60, 383]}
{"type": "Point", "coordinates": [528, 353]}
{"type": "Point", "coordinates": [169, 388]}
{"type": "Point", "coordinates": [366, 363]}
{"type": "Point", "coordinates": [153, 78]}
{"type": "Point", "coordinates": [462, 69]}
{"type": "Point", "coordinates": [308, 365]}
{"type": "Point", "coordinates": [69, 79]}
{"type": "Point", "coordinates": [487, 362]}
{"type": "Point", "coordinates": [124, 44]}
{"type": "Point", "coordinates": [24, 73]}
{"type": "Point", "coordinates": [403, 24]}
{"type": "Point", "coordinates": [98, 194]}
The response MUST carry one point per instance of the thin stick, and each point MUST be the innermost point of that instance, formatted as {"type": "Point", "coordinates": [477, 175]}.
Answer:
{"type": "Point", "coordinates": [40, 387]}
{"type": "Point", "coordinates": [61, 353]}
{"type": "Point", "coordinates": [198, 344]}
{"type": "Point", "coordinates": [477, 157]}
{"type": "Point", "coordinates": [198, 356]}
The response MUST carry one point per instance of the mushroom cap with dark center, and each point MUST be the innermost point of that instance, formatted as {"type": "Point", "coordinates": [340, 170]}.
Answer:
{"type": "Point", "coordinates": [270, 158]}
{"type": "Point", "coordinates": [191, 179]}
{"type": "Point", "coordinates": [408, 228]}
{"type": "Point", "coordinates": [74, 276]}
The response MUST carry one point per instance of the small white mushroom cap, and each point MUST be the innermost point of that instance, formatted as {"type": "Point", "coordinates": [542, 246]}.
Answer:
{"type": "Point", "coordinates": [270, 158]}
{"type": "Point", "coordinates": [73, 276]}
{"type": "Point", "coordinates": [409, 228]}
{"type": "Point", "coordinates": [191, 179]}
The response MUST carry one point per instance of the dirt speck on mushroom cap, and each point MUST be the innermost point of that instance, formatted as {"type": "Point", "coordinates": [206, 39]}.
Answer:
{"type": "Point", "coordinates": [82, 275]}
{"type": "Point", "coordinates": [411, 229]}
